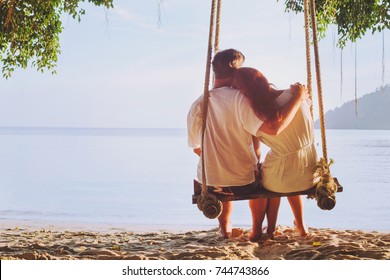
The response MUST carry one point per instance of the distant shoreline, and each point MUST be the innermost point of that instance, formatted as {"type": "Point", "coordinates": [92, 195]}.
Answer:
{"type": "Point", "coordinates": [8, 224]}
{"type": "Point", "coordinates": [369, 112]}
{"type": "Point", "coordinates": [112, 131]}
{"type": "Point", "coordinates": [93, 131]}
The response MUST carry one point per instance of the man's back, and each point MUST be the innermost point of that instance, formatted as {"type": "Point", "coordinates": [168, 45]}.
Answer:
{"type": "Point", "coordinates": [229, 154]}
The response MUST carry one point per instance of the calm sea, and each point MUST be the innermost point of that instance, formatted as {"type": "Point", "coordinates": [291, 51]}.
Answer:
{"type": "Point", "coordinates": [143, 177]}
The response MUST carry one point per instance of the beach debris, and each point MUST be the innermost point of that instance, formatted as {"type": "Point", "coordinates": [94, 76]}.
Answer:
{"type": "Point", "coordinates": [236, 232]}
{"type": "Point", "coordinates": [116, 248]}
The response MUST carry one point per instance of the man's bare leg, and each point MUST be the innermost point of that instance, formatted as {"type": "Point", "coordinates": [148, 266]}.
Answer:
{"type": "Point", "coordinates": [258, 208]}
{"type": "Point", "coordinates": [224, 219]}
{"type": "Point", "coordinates": [272, 215]}
{"type": "Point", "coordinates": [297, 209]}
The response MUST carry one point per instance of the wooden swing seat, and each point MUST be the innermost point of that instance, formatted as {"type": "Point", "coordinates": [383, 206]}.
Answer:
{"type": "Point", "coordinates": [262, 193]}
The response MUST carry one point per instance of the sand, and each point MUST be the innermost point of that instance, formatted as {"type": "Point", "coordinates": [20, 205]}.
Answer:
{"type": "Point", "coordinates": [59, 244]}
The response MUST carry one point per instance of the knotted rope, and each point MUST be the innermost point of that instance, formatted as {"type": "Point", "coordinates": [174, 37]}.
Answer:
{"type": "Point", "coordinates": [326, 187]}
{"type": "Point", "coordinates": [207, 202]}
{"type": "Point", "coordinates": [308, 56]}
{"type": "Point", "coordinates": [217, 27]}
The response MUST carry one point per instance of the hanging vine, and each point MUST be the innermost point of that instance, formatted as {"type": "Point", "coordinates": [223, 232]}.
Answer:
{"type": "Point", "coordinates": [341, 75]}
{"type": "Point", "coordinates": [353, 18]}
{"type": "Point", "coordinates": [356, 103]}
{"type": "Point", "coordinates": [383, 60]}
{"type": "Point", "coordinates": [160, 5]}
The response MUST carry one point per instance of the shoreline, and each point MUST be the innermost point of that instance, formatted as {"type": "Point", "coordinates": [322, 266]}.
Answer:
{"type": "Point", "coordinates": [135, 228]}
{"type": "Point", "coordinates": [103, 227]}
{"type": "Point", "coordinates": [99, 227]}
{"type": "Point", "coordinates": [24, 240]}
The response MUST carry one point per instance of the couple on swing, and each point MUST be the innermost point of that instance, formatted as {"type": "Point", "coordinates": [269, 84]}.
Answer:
{"type": "Point", "coordinates": [245, 109]}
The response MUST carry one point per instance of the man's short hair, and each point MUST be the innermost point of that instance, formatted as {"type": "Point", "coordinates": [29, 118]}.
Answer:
{"type": "Point", "coordinates": [226, 61]}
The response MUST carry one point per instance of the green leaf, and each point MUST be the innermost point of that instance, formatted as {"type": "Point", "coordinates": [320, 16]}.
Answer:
{"type": "Point", "coordinates": [30, 29]}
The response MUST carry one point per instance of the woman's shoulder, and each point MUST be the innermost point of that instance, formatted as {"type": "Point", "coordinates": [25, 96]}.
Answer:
{"type": "Point", "coordinates": [283, 98]}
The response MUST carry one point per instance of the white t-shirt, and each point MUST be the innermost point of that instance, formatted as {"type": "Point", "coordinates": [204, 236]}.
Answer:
{"type": "Point", "coordinates": [230, 159]}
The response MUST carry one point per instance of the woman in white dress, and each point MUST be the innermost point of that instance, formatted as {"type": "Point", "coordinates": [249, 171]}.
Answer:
{"type": "Point", "coordinates": [289, 165]}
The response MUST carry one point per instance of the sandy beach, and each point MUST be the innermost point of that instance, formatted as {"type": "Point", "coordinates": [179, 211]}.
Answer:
{"type": "Point", "coordinates": [61, 244]}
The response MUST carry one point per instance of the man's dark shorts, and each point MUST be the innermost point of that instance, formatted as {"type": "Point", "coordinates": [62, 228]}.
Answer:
{"type": "Point", "coordinates": [236, 190]}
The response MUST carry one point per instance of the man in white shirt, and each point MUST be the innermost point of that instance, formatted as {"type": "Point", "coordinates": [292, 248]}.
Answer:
{"type": "Point", "coordinates": [230, 157]}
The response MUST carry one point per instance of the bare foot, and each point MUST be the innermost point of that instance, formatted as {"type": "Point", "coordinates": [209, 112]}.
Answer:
{"type": "Point", "coordinates": [224, 231]}
{"type": "Point", "coordinates": [300, 229]}
{"type": "Point", "coordinates": [224, 234]}
{"type": "Point", "coordinates": [270, 235]}
{"type": "Point", "coordinates": [270, 232]}
{"type": "Point", "coordinates": [255, 235]}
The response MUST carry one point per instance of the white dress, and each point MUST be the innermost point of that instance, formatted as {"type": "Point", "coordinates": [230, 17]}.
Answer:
{"type": "Point", "coordinates": [289, 165]}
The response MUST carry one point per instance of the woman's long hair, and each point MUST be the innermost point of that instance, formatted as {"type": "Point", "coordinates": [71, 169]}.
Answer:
{"type": "Point", "coordinates": [259, 92]}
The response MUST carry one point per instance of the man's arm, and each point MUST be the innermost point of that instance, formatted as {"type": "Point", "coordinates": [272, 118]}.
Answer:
{"type": "Point", "coordinates": [256, 146]}
{"type": "Point", "coordinates": [194, 124]}
{"type": "Point", "coordinates": [287, 113]}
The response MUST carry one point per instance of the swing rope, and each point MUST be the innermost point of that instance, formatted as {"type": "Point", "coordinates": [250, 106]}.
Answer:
{"type": "Point", "coordinates": [308, 56]}
{"type": "Point", "coordinates": [326, 187]}
{"type": "Point", "coordinates": [217, 27]}
{"type": "Point", "coordinates": [318, 78]}
{"type": "Point", "coordinates": [207, 202]}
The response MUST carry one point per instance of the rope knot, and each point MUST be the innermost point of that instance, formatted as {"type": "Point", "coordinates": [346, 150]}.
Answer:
{"type": "Point", "coordinates": [326, 187]}
{"type": "Point", "coordinates": [210, 205]}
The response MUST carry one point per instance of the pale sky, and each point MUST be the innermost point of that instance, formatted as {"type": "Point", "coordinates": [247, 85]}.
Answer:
{"type": "Point", "coordinates": [120, 68]}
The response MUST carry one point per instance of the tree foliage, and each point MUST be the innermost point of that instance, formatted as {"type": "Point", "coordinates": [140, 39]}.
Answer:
{"type": "Point", "coordinates": [353, 18]}
{"type": "Point", "coordinates": [30, 29]}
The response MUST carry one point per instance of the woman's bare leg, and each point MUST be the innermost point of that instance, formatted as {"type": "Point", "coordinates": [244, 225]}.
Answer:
{"type": "Point", "coordinates": [224, 219]}
{"type": "Point", "coordinates": [258, 208]}
{"type": "Point", "coordinates": [297, 209]}
{"type": "Point", "coordinates": [272, 215]}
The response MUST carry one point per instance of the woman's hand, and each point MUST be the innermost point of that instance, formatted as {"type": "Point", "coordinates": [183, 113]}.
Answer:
{"type": "Point", "coordinates": [301, 90]}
